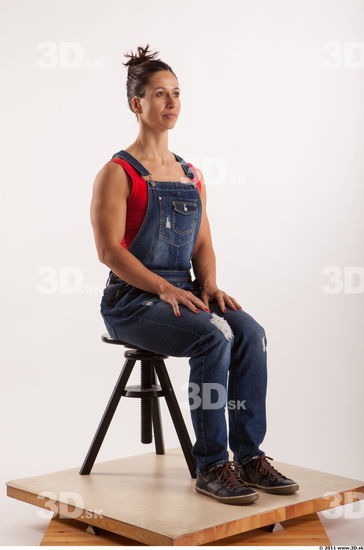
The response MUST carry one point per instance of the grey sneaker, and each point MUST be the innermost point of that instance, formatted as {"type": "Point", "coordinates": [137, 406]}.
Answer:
{"type": "Point", "coordinates": [223, 483]}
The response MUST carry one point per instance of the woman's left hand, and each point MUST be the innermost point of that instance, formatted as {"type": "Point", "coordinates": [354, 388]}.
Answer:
{"type": "Point", "coordinates": [212, 292]}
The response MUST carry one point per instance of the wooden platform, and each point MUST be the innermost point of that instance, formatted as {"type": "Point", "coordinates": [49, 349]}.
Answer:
{"type": "Point", "coordinates": [303, 531]}
{"type": "Point", "coordinates": [151, 499]}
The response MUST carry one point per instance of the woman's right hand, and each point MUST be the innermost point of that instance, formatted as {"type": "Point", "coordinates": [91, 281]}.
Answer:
{"type": "Point", "coordinates": [174, 296]}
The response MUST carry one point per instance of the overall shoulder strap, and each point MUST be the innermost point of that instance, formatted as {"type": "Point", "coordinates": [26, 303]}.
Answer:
{"type": "Point", "coordinates": [189, 173]}
{"type": "Point", "coordinates": [133, 161]}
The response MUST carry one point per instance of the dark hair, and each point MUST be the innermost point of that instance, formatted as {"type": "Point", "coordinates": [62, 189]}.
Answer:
{"type": "Point", "coordinates": [141, 66]}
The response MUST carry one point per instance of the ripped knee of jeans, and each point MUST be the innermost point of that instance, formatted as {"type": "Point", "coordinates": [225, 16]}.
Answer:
{"type": "Point", "coordinates": [223, 325]}
{"type": "Point", "coordinates": [264, 342]}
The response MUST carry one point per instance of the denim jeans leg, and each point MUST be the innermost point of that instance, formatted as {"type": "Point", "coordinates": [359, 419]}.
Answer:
{"type": "Point", "coordinates": [207, 398]}
{"type": "Point", "coordinates": [247, 388]}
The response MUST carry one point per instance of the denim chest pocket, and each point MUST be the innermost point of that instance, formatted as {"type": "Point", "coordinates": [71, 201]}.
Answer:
{"type": "Point", "coordinates": [178, 220]}
{"type": "Point", "coordinates": [183, 217]}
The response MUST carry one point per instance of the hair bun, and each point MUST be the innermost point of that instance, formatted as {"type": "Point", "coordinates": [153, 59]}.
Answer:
{"type": "Point", "coordinates": [140, 57]}
{"type": "Point", "coordinates": [141, 66]}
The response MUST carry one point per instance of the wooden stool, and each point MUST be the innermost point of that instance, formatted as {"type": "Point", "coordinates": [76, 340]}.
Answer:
{"type": "Point", "coordinates": [149, 392]}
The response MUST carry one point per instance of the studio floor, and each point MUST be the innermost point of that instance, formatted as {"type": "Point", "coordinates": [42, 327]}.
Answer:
{"type": "Point", "coordinates": [150, 499]}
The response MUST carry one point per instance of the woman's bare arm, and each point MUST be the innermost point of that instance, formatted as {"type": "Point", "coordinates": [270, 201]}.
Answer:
{"type": "Point", "coordinates": [111, 189]}
{"type": "Point", "coordinates": [203, 256]}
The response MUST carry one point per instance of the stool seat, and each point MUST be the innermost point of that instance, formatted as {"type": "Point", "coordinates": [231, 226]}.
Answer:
{"type": "Point", "coordinates": [149, 393]}
{"type": "Point", "coordinates": [147, 354]}
{"type": "Point", "coordinates": [110, 340]}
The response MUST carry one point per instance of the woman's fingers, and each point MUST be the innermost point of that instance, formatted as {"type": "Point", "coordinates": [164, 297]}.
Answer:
{"type": "Point", "coordinates": [224, 299]}
{"type": "Point", "coordinates": [236, 303]}
{"type": "Point", "coordinates": [190, 304]}
{"type": "Point", "coordinates": [194, 303]}
{"type": "Point", "coordinates": [232, 302]}
{"type": "Point", "coordinates": [201, 304]}
{"type": "Point", "coordinates": [186, 303]}
{"type": "Point", "coordinates": [221, 303]}
{"type": "Point", "coordinates": [198, 302]}
{"type": "Point", "coordinates": [184, 297]}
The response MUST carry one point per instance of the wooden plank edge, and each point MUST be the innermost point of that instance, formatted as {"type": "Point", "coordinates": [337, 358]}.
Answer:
{"type": "Point", "coordinates": [202, 536]}
{"type": "Point", "coordinates": [140, 534]}
{"type": "Point", "coordinates": [286, 512]}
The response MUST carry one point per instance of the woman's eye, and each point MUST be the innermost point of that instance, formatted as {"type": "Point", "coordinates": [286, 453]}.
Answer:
{"type": "Point", "coordinates": [158, 93]}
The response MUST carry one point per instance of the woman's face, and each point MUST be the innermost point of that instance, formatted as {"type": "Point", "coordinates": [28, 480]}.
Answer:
{"type": "Point", "coordinates": [161, 99]}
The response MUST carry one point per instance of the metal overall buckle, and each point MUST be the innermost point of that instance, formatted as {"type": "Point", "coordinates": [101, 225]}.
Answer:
{"type": "Point", "coordinates": [149, 178]}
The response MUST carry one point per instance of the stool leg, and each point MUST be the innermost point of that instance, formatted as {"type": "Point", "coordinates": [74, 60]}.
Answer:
{"type": "Point", "coordinates": [157, 423]}
{"type": "Point", "coordinates": [176, 415]}
{"type": "Point", "coordinates": [146, 403]}
{"type": "Point", "coordinates": [107, 417]}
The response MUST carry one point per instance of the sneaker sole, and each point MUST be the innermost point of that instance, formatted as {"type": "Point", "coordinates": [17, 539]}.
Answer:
{"type": "Point", "coordinates": [241, 499]}
{"type": "Point", "coordinates": [283, 490]}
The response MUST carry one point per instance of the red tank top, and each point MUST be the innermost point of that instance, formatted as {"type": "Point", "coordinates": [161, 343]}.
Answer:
{"type": "Point", "coordinates": [136, 204]}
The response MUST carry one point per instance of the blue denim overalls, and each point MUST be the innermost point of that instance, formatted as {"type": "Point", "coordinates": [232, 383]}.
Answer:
{"type": "Point", "coordinates": [217, 343]}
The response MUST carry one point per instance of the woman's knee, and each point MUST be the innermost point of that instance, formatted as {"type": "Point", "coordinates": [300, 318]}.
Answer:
{"type": "Point", "coordinates": [242, 323]}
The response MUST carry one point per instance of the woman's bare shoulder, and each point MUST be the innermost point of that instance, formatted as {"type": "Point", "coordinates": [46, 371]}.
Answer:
{"type": "Point", "coordinates": [113, 178]}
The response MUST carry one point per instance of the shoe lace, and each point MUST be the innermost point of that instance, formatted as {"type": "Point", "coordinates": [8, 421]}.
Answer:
{"type": "Point", "coordinates": [263, 466]}
{"type": "Point", "coordinates": [228, 475]}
